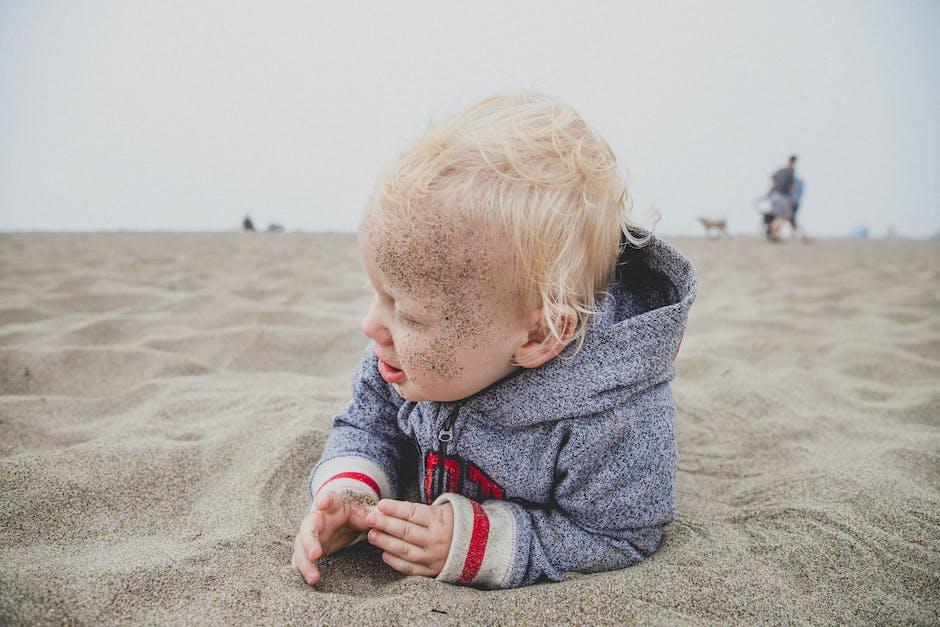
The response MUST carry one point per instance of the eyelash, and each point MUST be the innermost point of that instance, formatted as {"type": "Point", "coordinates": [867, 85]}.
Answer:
{"type": "Point", "coordinates": [404, 317]}
{"type": "Point", "coordinates": [408, 320]}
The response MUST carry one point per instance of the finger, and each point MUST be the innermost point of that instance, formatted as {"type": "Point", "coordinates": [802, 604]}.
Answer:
{"type": "Point", "coordinates": [312, 524]}
{"type": "Point", "coordinates": [398, 547]}
{"type": "Point", "coordinates": [402, 529]}
{"type": "Point", "coordinates": [359, 516]}
{"type": "Point", "coordinates": [304, 566]}
{"type": "Point", "coordinates": [406, 567]}
{"type": "Point", "coordinates": [317, 538]}
{"type": "Point", "coordinates": [415, 512]}
{"type": "Point", "coordinates": [306, 536]}
{"type": "Point", "coordinates": [325, 500]}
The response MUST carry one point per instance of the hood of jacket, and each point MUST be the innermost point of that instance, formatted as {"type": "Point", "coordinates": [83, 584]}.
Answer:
{"type": "Point", "coordinates": [631, 345]}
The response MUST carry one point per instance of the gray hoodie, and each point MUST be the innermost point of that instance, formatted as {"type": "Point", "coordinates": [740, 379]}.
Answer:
{"type": "Point", "coordinates": [568, 467]}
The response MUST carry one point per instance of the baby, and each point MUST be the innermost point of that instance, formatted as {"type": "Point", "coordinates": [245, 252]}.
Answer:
{"type": "Point", "coordinates": [523, 336]}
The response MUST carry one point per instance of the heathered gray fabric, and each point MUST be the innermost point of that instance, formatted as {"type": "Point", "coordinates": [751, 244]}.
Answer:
{"type": "Point", "coordinates": [584, 446]}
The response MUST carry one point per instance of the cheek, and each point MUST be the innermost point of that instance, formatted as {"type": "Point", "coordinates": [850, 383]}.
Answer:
{"type": "Point", "coordinates": [434, 357]}
{"type": "Point", "coordinates": [467, 325]}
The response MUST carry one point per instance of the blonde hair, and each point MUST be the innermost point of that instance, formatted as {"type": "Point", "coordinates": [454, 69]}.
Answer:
{"type": "Point", "coordinates": [530, 165]}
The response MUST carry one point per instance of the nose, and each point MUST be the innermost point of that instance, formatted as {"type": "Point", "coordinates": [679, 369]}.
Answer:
{"type": "Point", "coordinates": [374, 328]}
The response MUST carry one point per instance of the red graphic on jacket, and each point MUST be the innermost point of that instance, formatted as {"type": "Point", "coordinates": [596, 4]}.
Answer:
{"type": "Point", "coordinates": [457, 476]}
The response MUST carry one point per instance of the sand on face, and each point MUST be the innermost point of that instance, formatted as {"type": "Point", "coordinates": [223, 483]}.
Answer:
{"type": "Point", "coordinates": [164, 396]}
{"type": "Point", "coordinates": [457, 318]}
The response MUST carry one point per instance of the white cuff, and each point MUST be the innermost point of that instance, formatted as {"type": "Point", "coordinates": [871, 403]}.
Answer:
{"type": "Point", "coordinates": [483, 543]}
{"type": "Point", "coordinates": [351, 473]}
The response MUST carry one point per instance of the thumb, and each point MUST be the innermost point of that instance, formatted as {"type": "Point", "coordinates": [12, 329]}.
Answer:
{"type": "Point", "coordinates": [358, 512]}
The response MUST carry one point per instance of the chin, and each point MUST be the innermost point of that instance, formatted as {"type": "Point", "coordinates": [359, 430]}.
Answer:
{"type": "Point", "coordinates": [409, 393]}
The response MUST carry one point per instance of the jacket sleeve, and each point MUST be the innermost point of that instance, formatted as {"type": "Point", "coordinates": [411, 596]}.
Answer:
{"type": "Point", "coordinates": [613, 493]}
{"type": "Point", "coordinates": [365, 444]}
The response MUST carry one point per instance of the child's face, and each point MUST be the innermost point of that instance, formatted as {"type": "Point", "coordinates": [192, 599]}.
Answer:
{"type": "Point", "coordinates": [446, 319]}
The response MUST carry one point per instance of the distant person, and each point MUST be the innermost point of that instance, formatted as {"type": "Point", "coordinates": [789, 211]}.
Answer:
{"type": "Point", "coordinates": [780, 196]}
{"type": "Point", "coordinates": [523, 337]}
{"type": "Point", "coordinates": [247, 224]}
{"type": "Point", "coordinates": [782, 180]}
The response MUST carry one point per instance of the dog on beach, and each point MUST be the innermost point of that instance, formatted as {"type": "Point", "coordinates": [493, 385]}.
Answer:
{"type": "Point", "coordinates": [719, 227]}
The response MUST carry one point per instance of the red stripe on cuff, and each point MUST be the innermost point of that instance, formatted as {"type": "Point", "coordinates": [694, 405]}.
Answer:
{"type": "Point", "coordinates": [358, 476]}
{"type": "Point", "coordinates": [478, 539]}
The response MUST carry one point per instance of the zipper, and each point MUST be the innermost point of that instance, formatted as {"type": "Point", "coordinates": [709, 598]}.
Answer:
{"type": "Point", "coordinates": [446, 434]}
{"type": "Point", "coordinates": [444, 438]}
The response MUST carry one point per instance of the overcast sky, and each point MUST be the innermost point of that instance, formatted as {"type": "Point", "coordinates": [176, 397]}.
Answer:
{"type": "Point", "coordinates": [187, 115]}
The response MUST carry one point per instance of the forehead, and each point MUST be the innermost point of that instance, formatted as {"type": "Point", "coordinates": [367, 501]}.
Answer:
{"type": "Point", "coordinates": [433, 255]}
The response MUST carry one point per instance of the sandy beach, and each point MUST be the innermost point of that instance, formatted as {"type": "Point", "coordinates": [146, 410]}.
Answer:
{"type": "Point", "coordinates": [163, 397]}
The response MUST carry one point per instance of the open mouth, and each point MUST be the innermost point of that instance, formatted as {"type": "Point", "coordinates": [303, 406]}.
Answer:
{"type": "Point", "coordinates": [390, 373]}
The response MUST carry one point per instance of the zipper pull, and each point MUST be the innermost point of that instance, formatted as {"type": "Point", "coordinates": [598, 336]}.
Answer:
{"type": "Point", "coordinates": [446, 434]}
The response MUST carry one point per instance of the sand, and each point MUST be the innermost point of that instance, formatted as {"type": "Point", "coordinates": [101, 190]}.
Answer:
{"type": "Point", "coordinates": [164, 396]}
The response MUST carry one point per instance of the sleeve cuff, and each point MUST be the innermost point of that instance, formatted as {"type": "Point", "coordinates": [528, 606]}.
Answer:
{"type": "Point", "coordinates": [483, 544]}
{"type": "Point", "coordinates": [351, 473]}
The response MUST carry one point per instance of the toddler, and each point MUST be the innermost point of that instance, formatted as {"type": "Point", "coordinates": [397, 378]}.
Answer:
{"type": "Point", "coordinates": [523, 336]}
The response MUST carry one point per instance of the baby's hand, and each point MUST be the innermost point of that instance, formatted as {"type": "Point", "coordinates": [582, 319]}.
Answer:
{"type": "Point", "coordinates": [415, 537]}
{"type": "Point", "coordinates": [334, 521]}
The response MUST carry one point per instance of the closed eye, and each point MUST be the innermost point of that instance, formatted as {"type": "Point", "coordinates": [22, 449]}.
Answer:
{"type": "Point", "coordinates": [409, 319]}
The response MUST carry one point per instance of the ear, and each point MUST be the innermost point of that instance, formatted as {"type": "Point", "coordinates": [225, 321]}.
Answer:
{"type": "Point", "coordinates": [541, 345]}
